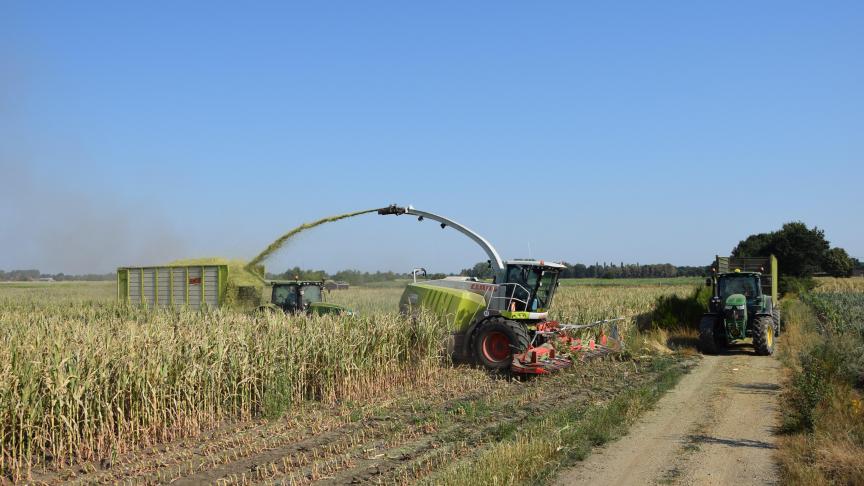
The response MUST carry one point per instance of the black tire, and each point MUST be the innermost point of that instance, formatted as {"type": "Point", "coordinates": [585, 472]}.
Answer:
{"type": "Point", "coordinates": [712, 337]}
{"type": "Point", "coordinates": [775, 315]}
{"type": "Point", "coordinates": [495, 342]}
{"type": "Point", "coordinates": [763, 335]}
{"type": "Point", "coordinates": [267, 309]}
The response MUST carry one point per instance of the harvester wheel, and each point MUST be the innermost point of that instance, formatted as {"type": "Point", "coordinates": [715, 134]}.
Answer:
{"type": "Point", "coordinates": [266, 309]}
{"type": "Point", "coordinates": [712, 336]}
{"type": "Point", "coordinates": [497, 340]}
{"type": "Point", "coordinates": [763, 335]}
{"type": "Point", "coordinates": [775, 315]}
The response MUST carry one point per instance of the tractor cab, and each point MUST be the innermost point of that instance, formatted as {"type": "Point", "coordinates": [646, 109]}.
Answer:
{"type": "Point", "coordinates": [746, 284]}
{"type": "Point", "coordinates": [527, 286]}
{"type": "Point", "coordinates": [300, 296]}
{"type": "Point", "coordinates": [742, 285]}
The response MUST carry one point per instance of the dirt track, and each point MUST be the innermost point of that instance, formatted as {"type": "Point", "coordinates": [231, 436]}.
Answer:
{"type": "Point", "coordinates": [715, 427]}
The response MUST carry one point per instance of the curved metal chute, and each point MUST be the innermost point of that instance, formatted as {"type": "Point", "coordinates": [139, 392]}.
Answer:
{"type": "Point", "coordinates": [494, 258]}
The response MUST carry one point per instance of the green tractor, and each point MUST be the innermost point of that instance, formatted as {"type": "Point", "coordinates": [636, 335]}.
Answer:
{"type": "Point", "coordinates": [743, 305]}
{"type": "Point", "coordinates": [300, 296]}
{"type": "Point", "coordinates": [502, 324]}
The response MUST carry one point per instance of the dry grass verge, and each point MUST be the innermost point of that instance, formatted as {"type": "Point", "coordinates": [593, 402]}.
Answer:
{"type": "Point", "coordinates": [823, 440]}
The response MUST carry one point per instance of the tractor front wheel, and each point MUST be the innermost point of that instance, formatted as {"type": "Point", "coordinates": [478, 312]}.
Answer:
{"type": "Point", "coordinates": [712, 336]}
{"type": "Point", "coordinates": [763, 335]}
{"type": "Point", "coordinates": [497, 340]}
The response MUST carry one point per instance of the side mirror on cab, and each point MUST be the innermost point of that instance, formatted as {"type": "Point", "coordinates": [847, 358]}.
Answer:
{"type": "Point", "coordinates": [708, 282]}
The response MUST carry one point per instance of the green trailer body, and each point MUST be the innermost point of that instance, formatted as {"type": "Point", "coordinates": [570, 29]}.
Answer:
{"type": "Point", "coordinates": [175, 286]}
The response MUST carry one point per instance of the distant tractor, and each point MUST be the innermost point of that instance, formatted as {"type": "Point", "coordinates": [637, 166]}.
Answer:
{"type": "Point", "coordinates": [743, 304]}
{"type": "Point", "coordinates": [300, 296]}
{"type": "Point", "coordinates": [501, 325]}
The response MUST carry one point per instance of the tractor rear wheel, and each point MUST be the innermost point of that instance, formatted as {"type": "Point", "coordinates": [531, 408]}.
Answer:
{"type": "Point", "coordinates": [775, 315]}
{"type": "Point", "coordinates": [712, 336]}
{"type": "Point", "coordinates": [497, 340]}
{"type": "Point", "coordinates": [763, 335]}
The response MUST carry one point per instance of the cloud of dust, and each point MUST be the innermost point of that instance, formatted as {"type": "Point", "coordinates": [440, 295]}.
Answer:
{"type": "Point", "coordinates": [55, 228]}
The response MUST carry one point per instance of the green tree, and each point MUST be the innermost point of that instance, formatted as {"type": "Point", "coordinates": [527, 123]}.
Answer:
{"type": "Point", "coordinates": [755, 245]}
{"type": "Point", "coordinates": [479, 270]}
{"type": "Point", "coordinates": [837, 263]}
{"type": "Point", "coordinates": [800, 250]}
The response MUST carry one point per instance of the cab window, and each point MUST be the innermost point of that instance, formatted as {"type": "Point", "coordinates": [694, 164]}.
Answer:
{"type": "Point", "coordinates": [285, 294]}
{"type": "Point", "coordinates": [745, 285]}
{"type": "Point", "coordinates": [546, 289]}
{"type": "Point", "coordinates": [311, 294]}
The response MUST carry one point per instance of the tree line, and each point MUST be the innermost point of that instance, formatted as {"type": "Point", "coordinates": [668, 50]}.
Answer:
{"type": "Point", "coordinates": [605, 270]}
{"type": "Point", "coordinates": [801, 253]}
{"type": "Point", "coordinates": [353, 277]}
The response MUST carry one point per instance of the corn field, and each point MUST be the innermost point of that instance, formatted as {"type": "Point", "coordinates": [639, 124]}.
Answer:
{"type": "Point", "coordinates": [833, 284]}
{"type": "Point", "coordinates": [89, 379]}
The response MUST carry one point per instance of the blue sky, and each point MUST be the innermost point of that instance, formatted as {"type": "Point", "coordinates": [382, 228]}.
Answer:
{"type": "Point", "coordinates": [643, 131]}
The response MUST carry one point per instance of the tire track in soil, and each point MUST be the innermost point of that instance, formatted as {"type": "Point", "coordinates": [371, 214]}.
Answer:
{"type": "Point", "coordinates": [295, 454]}
{"type": "Point", "coordinates": [414, 457]}
{"type": "Point", "coordinates": [171, 461]}
{"type": "Point", "coordinates": [472, 443]}
{"type": "Point", "coordinates": [166, 462]}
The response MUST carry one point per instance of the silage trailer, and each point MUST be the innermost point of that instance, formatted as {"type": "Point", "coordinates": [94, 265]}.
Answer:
{"type": "Point", "coordinates": [192, 286]}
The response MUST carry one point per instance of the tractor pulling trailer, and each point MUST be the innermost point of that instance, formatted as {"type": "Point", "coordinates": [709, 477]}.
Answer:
{"type": "Point", "coordinates": [199, 287]}
{"type": "Point", "coordinates": [743, 304]}
{"type": "Point", "coordinates": [503, 325]}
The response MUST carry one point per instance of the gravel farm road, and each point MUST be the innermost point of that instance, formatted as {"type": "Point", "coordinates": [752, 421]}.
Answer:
{"type": "Point", "coordinates": [716, 427]}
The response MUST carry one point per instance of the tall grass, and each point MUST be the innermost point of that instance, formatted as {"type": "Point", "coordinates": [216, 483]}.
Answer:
{"type": "Point", "coordinates": [84, 381]}
{"type": "Point", "coordinates": [582, 304]}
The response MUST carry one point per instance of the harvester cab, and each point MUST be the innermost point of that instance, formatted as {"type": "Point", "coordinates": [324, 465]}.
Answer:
{"type": "Point", "coordinates": [742, 305]}
{"type": "Point", "coordinates": [503, 324]}
{"type": "Point", "coordinates": [527, 288]}
{"type": "Point", "coordinates": [299, 296]}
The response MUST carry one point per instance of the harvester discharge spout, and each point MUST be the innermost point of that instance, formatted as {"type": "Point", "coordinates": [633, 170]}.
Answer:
{"type": "Point", "coordinates": [393, 209]}
{"type": "Point", "coordinates": [491, 252]}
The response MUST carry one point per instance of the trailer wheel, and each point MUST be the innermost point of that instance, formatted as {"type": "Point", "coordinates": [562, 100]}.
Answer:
{"type": "Point", "coordinates": [712, 336]}
{"type": "Point", "coordinates": [763, 335]}
{"type": "Point", "coordinates": [497, 340]}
